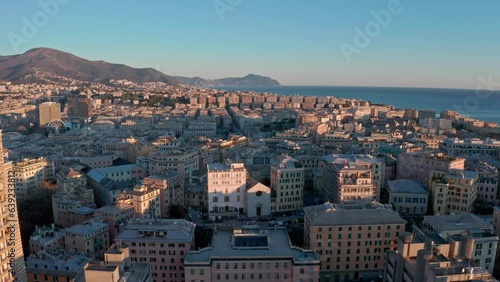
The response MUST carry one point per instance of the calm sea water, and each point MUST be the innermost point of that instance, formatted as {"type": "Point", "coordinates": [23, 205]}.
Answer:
{"type": "Point", "coordinates": [483, 105]}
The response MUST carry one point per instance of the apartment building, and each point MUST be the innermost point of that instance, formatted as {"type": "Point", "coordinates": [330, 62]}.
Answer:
{"type": "Point", "coordinates": [120, 173]}
{"type": "Point", "coordinates": [56, 265]}
{"type": "Point", "coordinates": [471, 146]}
{"type": "Point", "coordinates": [145, 200]}
{"type": "Point", "coordinates": [70, 209]}
{"type": "Point", "coordinates": [408, 197]}
{"type": "Point", "coordinates": [462, 231]}
{"type": "Point", "coordinates": [226, 185]}
{"type": "Point", "coordinates": [11, 251]}
{"type": "Point", "coordinates": [487, 187]}
{"type": "Point", "coordinates": [163, 243]}
{"type": "Point", "coordinates": [171, 185]}
{"type": "Point", "coordinates": [351, 239]}
{"type": "Point", "coordinates": [377, 166]}
{"type": "Point", "coordinates": [116, 216]}
{"type": "Point", "coordinates": [287, 181]}
{"type": "Point", "coordinates": [418, 165]}
{"type": "Point", "coordinates": [90, 238]}
{"type": "Point", "coordinates": [48, 112]}
{"type": "Point", "coordinates": [126, 149]}
{"type": "Point", "coordinates": [28, 174]}
{"type": "Point", "coordinates": [454, 191]}
{"type": "Point", "coordinates": [181, 161]}
{"type": "Point", "coordinates": [69, 180]}
{"type": "Point", "coordinates": [250, 254]}
{"type": "Point", "coordinates": [46, 238]}
{"type": "Point", "coordinates": [348, 181]}
{"type": "Point", "coordinates": [117, 267]}
{"type": "Point", "coordinates": [416, 261]}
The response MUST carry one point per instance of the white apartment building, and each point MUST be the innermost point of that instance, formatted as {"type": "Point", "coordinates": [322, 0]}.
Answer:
{"type": "Point", "coordinates": [226, 184]}
{"type": "Point", "coordinates": [29, 174]}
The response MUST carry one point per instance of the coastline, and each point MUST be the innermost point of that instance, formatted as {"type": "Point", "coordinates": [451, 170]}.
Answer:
{"type": "Point", "coordinates": [435, 99]}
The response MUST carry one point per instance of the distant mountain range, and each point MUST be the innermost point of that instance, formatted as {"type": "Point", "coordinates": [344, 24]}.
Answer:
{"type": "Point", "coordinates": [46, 65]}
{"type": "Point", "coordinates": [249, 80]}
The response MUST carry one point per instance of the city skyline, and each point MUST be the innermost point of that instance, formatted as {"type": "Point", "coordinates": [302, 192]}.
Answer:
{"type": "Point", "coordinates": [298, 44]}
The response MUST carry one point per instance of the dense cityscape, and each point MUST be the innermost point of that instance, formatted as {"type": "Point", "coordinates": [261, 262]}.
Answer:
{"type": "Point", "coordinates": [126, 181]}
{"type": "Point", "coordinates": [236, 140]}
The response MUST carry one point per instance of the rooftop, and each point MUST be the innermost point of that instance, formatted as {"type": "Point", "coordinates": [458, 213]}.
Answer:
{"type": "Point", "coordinates": [225, 167]}
{"type": "Point", "coordinates": [56, 261]}
{"type": "Point", "coordinates": [406, 186]}
{"type": "Point", "coordinates": [165, 230]}
{"type": "Point", "coordinates": [273, 243]}
{"type": "Point", "coordinates": [330, 214]}
{"type": "Point", "coordinates": [86, 228]}
{"type": "Point", "coordinates": [287, 162]}
{"type": "Point", "coordinates": [456, 222]}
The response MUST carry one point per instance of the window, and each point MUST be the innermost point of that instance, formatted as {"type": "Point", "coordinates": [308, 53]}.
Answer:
{"type": "Point", "coordinates": [215, 199]}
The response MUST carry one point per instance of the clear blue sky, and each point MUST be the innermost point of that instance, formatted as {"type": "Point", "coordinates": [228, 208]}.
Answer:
{"type": "Point", "coordinates": [430, 43]}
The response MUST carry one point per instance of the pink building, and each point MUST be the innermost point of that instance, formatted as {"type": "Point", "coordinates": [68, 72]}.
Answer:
{"type": "Point", "coordinates": [163, 243]}
{"type": "Point", "coordinates": [69, 209]}
{"type": "Point", "coordinates": [90, 237]}
{"type": "Point", "coordinates": [171, 187]}
{"type": "Point", "coordinates": [252, 254]}
{"type": "Point", "coordinates": [116, 216]}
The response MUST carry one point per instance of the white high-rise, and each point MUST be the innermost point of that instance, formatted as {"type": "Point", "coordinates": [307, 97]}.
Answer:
{"type": "Point", "coordinates": [226, 190]}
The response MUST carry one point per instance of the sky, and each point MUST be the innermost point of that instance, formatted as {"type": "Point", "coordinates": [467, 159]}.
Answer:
{"type": "Point", "coordinates": [409, 43]}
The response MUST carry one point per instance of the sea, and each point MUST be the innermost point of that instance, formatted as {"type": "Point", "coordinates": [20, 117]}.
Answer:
{"type": "Point", "coordinates": [482, 105]}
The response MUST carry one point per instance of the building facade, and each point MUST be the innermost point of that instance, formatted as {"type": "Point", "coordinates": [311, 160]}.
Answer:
{"type": "Point", "coordinates": [287, 181]}
{"type": "Point", "coordinates": [226, 184]}
{"type": "Point", "coordinates": [351, 239]}
{"type": "Point", "coordinates": [12, 255]}
{"type": "Point", "coordinates": [163, 243]}
{"type": "Point", "coordinates": [48, 112]}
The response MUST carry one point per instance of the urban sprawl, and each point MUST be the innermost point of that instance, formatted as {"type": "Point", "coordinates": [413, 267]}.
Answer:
{"type": "Point", "coordinates": [150, 182]}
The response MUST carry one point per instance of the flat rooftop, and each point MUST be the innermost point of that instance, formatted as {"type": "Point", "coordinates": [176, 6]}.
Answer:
{"type": "Point", "coordinates": [167, 230]}
{"type": "Point", "coordinates": [279, 247]}
{"type": "Point", "coordinates": [406, 186]}
{"type": "Point", "coordinates": [86, 228]}
{"type": "Point", "coordinates": [456, 222]}
{"type": "Point", "coordinates": [329, 214]}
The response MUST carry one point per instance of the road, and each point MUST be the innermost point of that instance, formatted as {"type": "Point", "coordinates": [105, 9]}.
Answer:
{"type": "Point", "coordinates": [195, 217]}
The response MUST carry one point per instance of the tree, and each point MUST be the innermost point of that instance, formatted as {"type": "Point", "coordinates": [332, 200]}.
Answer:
{"type": "Point", "coordinates": [35, 211]}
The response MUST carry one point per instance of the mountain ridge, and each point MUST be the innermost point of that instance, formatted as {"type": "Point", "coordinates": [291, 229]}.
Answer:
{"type": "Point", "coordinates": [248, 80]}
{"type": "Point", "coordinates": [48, 65]}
